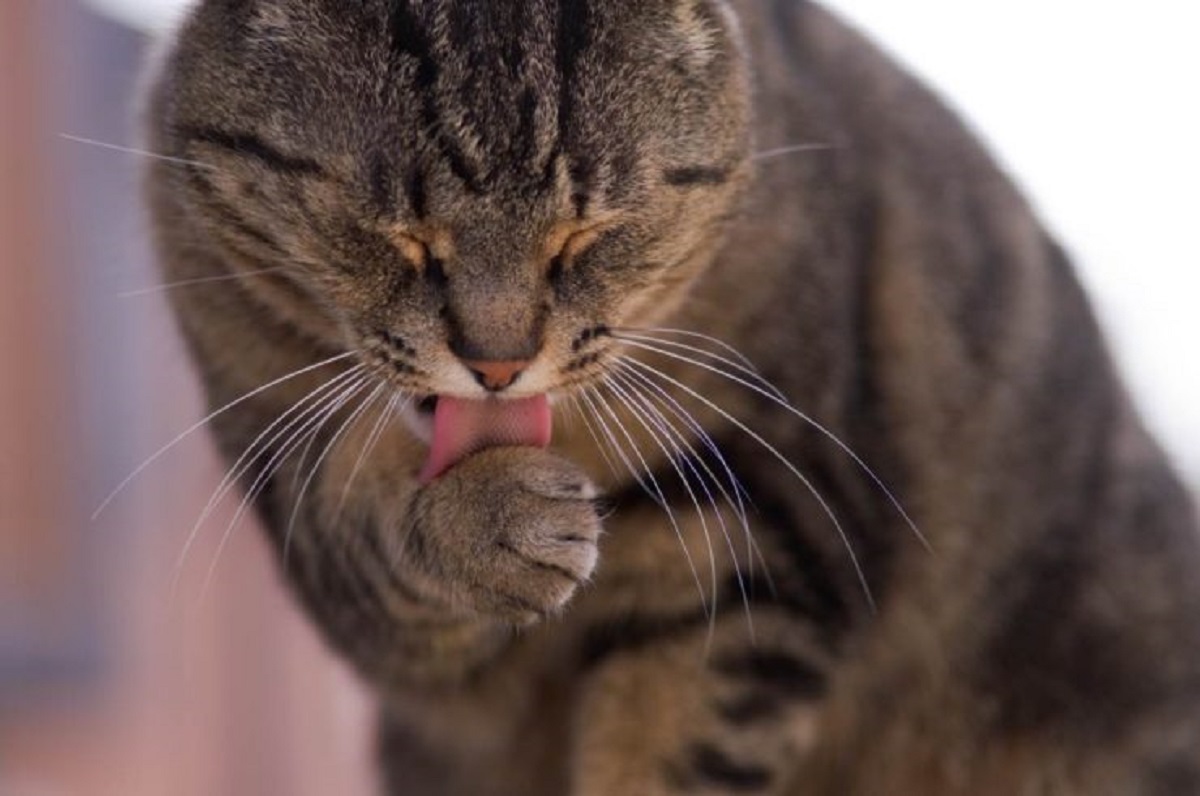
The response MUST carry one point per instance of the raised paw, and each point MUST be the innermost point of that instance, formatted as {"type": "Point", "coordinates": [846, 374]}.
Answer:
{"type": "Point", "coordinates": [510, 532]}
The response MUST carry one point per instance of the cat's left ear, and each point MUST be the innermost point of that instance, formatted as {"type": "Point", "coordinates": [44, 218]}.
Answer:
{"type": "Point", "coordinates": [706, 27]}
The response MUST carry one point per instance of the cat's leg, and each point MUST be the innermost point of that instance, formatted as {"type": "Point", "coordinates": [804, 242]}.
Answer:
{"type": "Point", "coordinates": [683, 693]}
{"type": "Point", "coordinates": [680, 714]}
{"type": "Point", "coordinates": [428, 591]}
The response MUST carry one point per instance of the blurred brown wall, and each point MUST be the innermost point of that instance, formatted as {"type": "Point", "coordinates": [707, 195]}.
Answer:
{"type": "Point", "coordinates": [32, 516]}
{"type": "Point", "coordinates": [114, 679]}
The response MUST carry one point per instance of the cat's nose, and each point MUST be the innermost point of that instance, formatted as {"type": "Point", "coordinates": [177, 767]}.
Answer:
{"type": "Point", "coordinates": [496, 376]}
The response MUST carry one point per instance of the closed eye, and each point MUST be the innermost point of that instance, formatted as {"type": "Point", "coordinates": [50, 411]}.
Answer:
{"type": "Point", "coordinates": [568, 241]}
{"type": "Point", "coordinates": [412, 249]}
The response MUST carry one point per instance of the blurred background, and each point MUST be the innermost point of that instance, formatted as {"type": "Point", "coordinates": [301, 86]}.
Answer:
{"type": "Point", "coordinates": [115, 679]}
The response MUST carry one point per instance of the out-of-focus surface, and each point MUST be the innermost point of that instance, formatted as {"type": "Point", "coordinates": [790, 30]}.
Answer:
{"type": "Point", "coordinates": [1091, 107]}
{"type": "Point", "coordinates": [117, 677]}
{"type": "Point", "coordinates": [116, 680]}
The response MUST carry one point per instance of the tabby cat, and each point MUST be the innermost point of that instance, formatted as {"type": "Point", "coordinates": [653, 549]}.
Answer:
{"type": "Point", "coordinates": [476, 286]}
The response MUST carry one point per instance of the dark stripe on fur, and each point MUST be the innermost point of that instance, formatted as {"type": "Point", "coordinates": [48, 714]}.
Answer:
{"type": "Point", "coordinates": [689, 176]}
{"type": "Point", "coordinates": [816, 592]}
{"type": "Point", "coordinates": [714, 767]}
{"type": "Point", "coordinates": [527, 107]}
{"type": "Point", "coordinates": [633, 633]}
{"type": "Point", "coordinates": [573, 37]}
{"type": "Point", "coordinates": [775, 670]}
{"type": "Point", "coordinates": [250, 145]}
{"type": "Point", "coordinates": [410, 40]}
{"type": "Point", "coordinates": [382, 183]}
{"type": "Point", "coordinates": [231, 220]}
{"type": "Point", "coordinates": [581, 169]}
{"type": "Point", "coordinates": [417, 190]}
{"type": "Point", "coordinates": [562, 572]}
{"type": "Point", "coordinates": [749, 708]}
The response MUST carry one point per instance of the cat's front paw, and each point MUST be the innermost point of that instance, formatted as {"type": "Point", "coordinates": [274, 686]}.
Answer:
{"type": "Point", "coordinates": [511, 532]}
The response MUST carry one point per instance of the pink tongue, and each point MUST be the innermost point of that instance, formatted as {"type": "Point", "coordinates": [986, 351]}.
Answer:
{"type": "Point", "coordinates": [462, 427]}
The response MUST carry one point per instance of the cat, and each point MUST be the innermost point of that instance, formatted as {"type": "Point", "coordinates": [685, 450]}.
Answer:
{"type": "Point", "coordinates": [669, 396]}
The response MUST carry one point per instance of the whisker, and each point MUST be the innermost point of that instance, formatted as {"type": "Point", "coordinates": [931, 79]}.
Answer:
{"type": "Point", "coordinates": [615, 447]}
{"type": "Point", "coordinates": [389, 409]}
{"type": "Point", "coordinates": [127, 150]}
{"type": "Point", "coordinates": [664, 398]}
{"type": "Point", "coordinates": [862, 579]}
{"type": "Point", "coordinates": [789, 150]}
{"type": "Point", "coordinates": [667, 330]}
{"type": "Point", "coordinates": [748, 371]}
{"type": "Point", "coordinates": [200, 424]}
{"type": "Point", "coordinates": [204, 280]}
{"type": "Point", "coordinates": [298, 412]}
{"type": "Point", "coordinates": [271, 468]}
{"type": "Point", "coordinates": [574, 401]}
{"type": "Point", "coordinates": [785, 405]}
{"type": "Point", "coordinates": [675, 460]}
{"type": "Point", "coordinates": [654, 491]}
{"type": "Point", "coordinates": [655, 403]}
{"type": "Point", "coordinates": [668, 402]}
{"type": "Point", "coordinates": [346, 425]}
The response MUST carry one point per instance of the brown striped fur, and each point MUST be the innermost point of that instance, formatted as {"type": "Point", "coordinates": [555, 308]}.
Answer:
{"type": "Point", "coordinates": [443, 180]}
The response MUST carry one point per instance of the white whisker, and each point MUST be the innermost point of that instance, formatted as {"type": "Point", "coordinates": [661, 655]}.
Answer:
{"type": "Point", "coordinates": [312, 426]}
{"type": "Point", "coordinates": [678, 461]}
{"type": "Point", "coordinates": [656, 403]}
{"type": "Point", "coordinates": [748, 371]}
{"type": "Point", "coordinates": [397, 402]}
{"type": "Point", "coordinates": [204, 280]}
{"type": "Point", "coordinates": [667, 330]}
{"type": "Point", "coordinates": [862, 579]}
{"type": "Point", "coordinates": [654, 490]}
{"type": "Point", "coordinates": [786, 406]}
{"type": "Point", "coordinates": [346, 425]}
{"type": "Point", "coordinates": [298, 412]}
{"type": "Point", "coordinates": [615, 447]}
{"type": "Point", "coordinates": [677, 409]}
{"type": "Point", "coordinates": [789, 150]}
{"type": "Point", "coordinates": [199, 424]}
{"type": "Point", "coordinates": [142, 153]}
{"type": "Point", "coordinates": [574, 401]}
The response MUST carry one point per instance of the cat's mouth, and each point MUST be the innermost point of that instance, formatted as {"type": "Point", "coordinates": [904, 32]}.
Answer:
{"type": "Point", "coordinates": [455, 428]}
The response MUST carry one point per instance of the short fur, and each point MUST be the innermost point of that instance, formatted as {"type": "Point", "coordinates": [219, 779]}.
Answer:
{"type": "Point", "coordinates": [425, 181]}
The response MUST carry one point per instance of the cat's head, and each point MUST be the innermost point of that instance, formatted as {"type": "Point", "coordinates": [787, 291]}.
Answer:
{"type": "Point", "coordinates": [469, 192]}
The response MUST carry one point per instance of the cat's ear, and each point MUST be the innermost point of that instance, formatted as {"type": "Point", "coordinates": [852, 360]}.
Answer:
{"type": "Point", "coordinates": [706, 27]}
{"type": "Point", "coordinates": [268, 20]}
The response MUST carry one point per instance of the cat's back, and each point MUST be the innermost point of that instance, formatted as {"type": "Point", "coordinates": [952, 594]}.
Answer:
{"type": "Point", "coordinates": [1064, 578]}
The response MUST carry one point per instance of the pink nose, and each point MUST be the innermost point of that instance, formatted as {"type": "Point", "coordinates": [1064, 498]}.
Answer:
{"type": "Point", "coordinates": [496, 376]}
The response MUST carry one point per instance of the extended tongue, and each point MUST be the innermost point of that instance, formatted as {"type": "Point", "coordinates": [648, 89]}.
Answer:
{"type": "Point", "coordinates": [462, 427]}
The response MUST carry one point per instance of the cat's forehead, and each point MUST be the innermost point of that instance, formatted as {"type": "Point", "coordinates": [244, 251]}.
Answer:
{"type": "Point", "coordinates": [479, 43]}
{"type": "Point", "coordinates": [518, 110]}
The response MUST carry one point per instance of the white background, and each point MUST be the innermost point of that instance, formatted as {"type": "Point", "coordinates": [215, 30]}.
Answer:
{"type": "Point", "coordinates": [1094, 107]}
